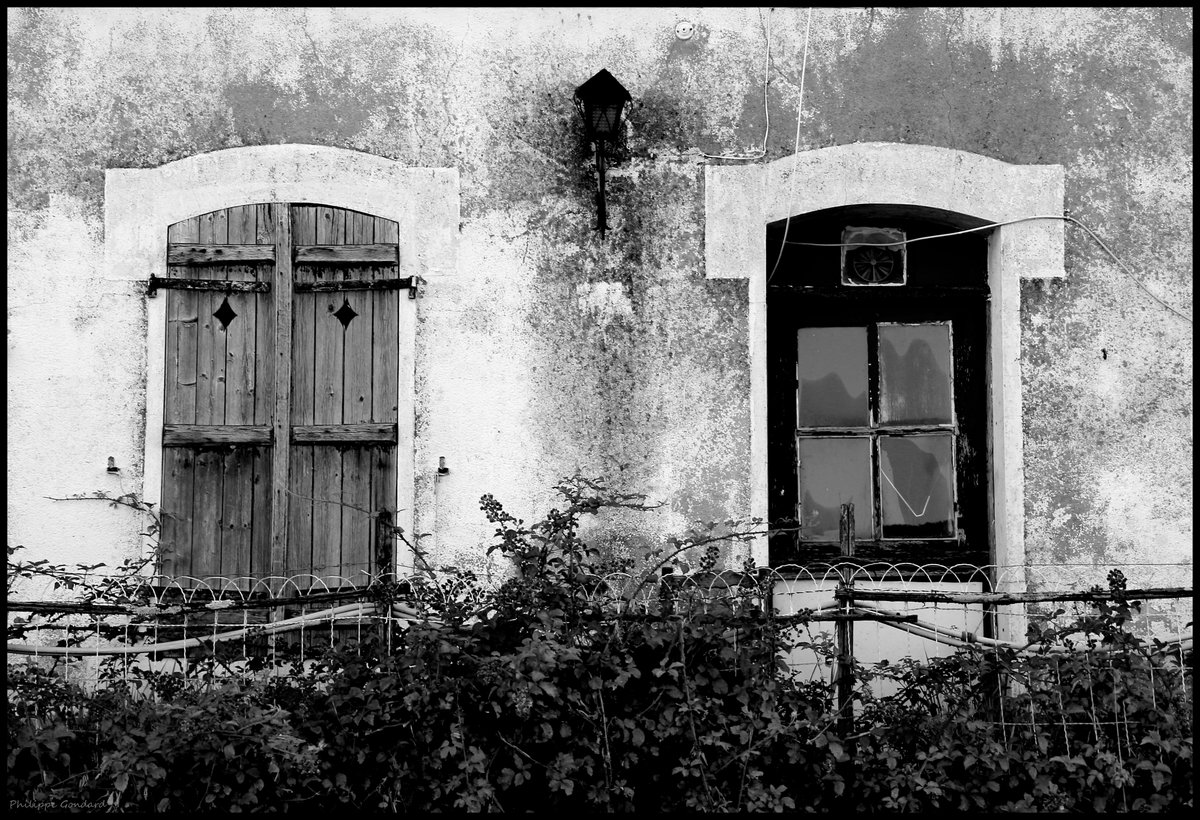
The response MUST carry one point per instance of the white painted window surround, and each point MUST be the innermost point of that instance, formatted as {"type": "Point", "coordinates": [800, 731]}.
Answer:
{"type": "Point", "coordinates": [741, 200]}
{"type": "Point", "coordinates": [141, 203]}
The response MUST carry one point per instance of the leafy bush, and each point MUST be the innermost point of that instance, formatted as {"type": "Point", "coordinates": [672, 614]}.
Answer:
{"type": "Point", "coordinates": [537, 697]}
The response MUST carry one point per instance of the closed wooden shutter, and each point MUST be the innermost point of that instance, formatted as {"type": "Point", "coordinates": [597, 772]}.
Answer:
{"type": "Point", "coordinates": [222, 418]}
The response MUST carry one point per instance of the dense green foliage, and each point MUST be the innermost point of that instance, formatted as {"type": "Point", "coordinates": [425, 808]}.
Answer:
{"type": "Point", "coordinates": [535, 697]}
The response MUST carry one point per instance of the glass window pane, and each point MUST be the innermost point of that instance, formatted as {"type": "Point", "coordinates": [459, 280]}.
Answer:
{"type": "Point", "coordinates": [832, 373]}
{"type": "Point", "coordinates": [914, 372]}
{"type": "Point", "coordinates": [917, 486]}
{"type": "Point", "coordinates": [833, 472]}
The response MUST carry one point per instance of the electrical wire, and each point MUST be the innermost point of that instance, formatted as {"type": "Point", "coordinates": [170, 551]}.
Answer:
{"type": "Point", "coordinates": [766, 104]}
{"type": "Point", "coordinates": [1064, 217]}
{"type": "Point", "coordinates": [795, 147]}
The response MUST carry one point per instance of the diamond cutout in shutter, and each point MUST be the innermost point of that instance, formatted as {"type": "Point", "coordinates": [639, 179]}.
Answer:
{"type": "Point", "coordinates": [345, 313]}
{"type": "Point", "coordinates": [225, 314]}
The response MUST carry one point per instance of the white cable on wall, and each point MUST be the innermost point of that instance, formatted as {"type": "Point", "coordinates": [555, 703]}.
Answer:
{"type": "Point", "coordinates": [1064, 217]}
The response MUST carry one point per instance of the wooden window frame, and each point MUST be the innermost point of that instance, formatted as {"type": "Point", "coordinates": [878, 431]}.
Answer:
{"type": "Point", "coordinates": [875, 429]}
{"type": "Point", "coordinates": [141, 203]}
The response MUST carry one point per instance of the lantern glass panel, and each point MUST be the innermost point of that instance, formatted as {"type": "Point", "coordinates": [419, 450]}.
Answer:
{"type": "Point", "coordinates": [604, 119]}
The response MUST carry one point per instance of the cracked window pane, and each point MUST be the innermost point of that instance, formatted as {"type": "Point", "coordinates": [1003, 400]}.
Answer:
{"type": "Point", "coordinates": [916, 482]}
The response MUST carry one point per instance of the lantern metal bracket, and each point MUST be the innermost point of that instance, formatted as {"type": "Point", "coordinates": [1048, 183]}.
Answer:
{"type": "Point", "coordinates": [601, 102]}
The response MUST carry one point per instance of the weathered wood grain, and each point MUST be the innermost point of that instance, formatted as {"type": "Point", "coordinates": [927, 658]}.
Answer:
{"type": "Point", "coordinates": [329, 254]}
{"type": "Point", "coordinates": [234, 253]}
{"type": "Point", "coordinates": [260, 513]}
{"type": "Point", "coordinates": [356, 530]}
{"type": "Point", "coordinates": [264, 359]}
{"type": "Point", "coordinates": [207, 497]}
{"type": "Point", "coordinates": [281, 355]}
{"type": "Point", "coordinates": [327, 513]}
{"type": "Point", "coordinates": [237, 516]}
{"type": "Point", "coordinates": [157, 283]}
{"type": "Point", "coordinates": [339, 434]}
{"type": "Point", "coordinates": [176, 507]}
{"type": "Point", "coordinates": [334, 285]}
{"type": "Point", "coordinates": [215, 435]}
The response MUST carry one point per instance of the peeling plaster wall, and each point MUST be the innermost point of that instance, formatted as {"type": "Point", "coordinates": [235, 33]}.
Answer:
{"type": "Point", "coordinates": [550, 352]}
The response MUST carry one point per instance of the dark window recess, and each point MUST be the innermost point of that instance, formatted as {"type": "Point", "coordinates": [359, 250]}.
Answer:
{"type": "Point", "coordinates": [878, 395]}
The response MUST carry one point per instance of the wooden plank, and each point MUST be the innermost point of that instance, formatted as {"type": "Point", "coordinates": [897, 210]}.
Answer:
{"type": "Point", "coordinates": [386, 230]}
{"type": "Point", "coordinates": [158, 283]}
{"type": "Point", "coordinates": [364, 433]}
{"type": "Point", "coordinates": [356, 368]}
{"type": "Point", "coordinates": [179, 405]}
{"type": "Point", "coordinates": [367, 254]}
{"type": "Point", "coordinates": [260, 513]}
{"type": "Point", "coordinates": [356, 530]}
{"type": "Point", "coordinates": [360, 534]}
{"type": "Point", "coordinates": [210, 356]}
{"type": "Point", "coordinates": [301, 358]}
{"type": "Point", "coordinates": [299, 557]}
{"type": "Point", "coordinates": [176, 507]}
{"type": "Point", "coordinates": [211, 435]}
{"type": "Point", "coordinates": [385, 354]}
{"type": "Point", "coordinates": [327, 513]}
{"type": "Point", "coordinates": [327, 406]}
{"type": "Point", "coordinates": [206, 518]}
{"type": "Point", "coordinates": [360, 228]}
{"type": "Point", "coordinates": [179, 393]}
{"type": "Point", "coordinates": [241, 332]}
{"type": "Point", "coordinates": [210, 364]}
{"type": "Point", "coordinates": [331, 226]}
{"type": "Point", "coordinates": [237, 513]}
{"type": "Point", "coordinates": [383, 491]}
{"type": "Point", "coordinates": [337, 230]}
{"type": "Point", "coordinates": [281, 355]}
{"type": "Point", "coordinates": [186, 231]}
{"type": "Point", "coordinates": [330, 344]}
{"type": "Point", "coordinates": [216, 222]}
{"type": "Point", "coordinates": [336, 285]}
{"type": "Point", "coordinates": [236, 253]}
{"type": "Point", "coordinates": [264, 359]}
{"type": "Point", "coordinates": [304, 226]}
{"type": "Point", "coordinates": [242, 223]}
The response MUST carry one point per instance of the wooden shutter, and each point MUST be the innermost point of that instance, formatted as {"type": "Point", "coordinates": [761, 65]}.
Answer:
{"type": "Point", "coordinates": [345, 348]}
{"type": "Point", "coordinates": [220, 427]}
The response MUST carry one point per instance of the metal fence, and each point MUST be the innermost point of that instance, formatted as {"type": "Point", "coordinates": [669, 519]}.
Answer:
{"type": "Point", "coordinates": [869, 613]}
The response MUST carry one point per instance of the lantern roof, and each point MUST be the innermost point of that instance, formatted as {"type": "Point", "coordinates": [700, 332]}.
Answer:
{"type": "Point", "coordinates": [603, 87]}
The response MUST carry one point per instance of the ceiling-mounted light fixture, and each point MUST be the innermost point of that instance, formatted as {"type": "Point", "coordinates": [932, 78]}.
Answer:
{"type": "Point", "coordinates": [601, 102]}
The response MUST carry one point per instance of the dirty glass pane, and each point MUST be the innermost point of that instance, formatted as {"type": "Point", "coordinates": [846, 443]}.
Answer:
{"type": "Point", "coordinates": [917, 485]}
{"type": "Point", "coordinates": [833, 472]}
{"type": "Point", "coordinates": [832, 373]}
{"type": "Point", "coordinates": [914, 373]}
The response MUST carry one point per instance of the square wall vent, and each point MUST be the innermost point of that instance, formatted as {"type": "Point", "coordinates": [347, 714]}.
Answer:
{"type": "Point", "coordinates": [870, 258]}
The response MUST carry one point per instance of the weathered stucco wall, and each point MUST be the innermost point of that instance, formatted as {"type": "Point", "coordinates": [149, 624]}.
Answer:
{"type": "Point", "coordinates": [551, 352]}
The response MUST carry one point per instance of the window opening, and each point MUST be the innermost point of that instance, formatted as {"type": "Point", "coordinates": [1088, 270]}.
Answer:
{"type": "Point", "coordinates": [878, 394]}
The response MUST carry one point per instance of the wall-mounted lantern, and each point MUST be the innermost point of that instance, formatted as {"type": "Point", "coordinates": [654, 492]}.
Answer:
{"type": "Point", "coordinates": [601, 101]}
